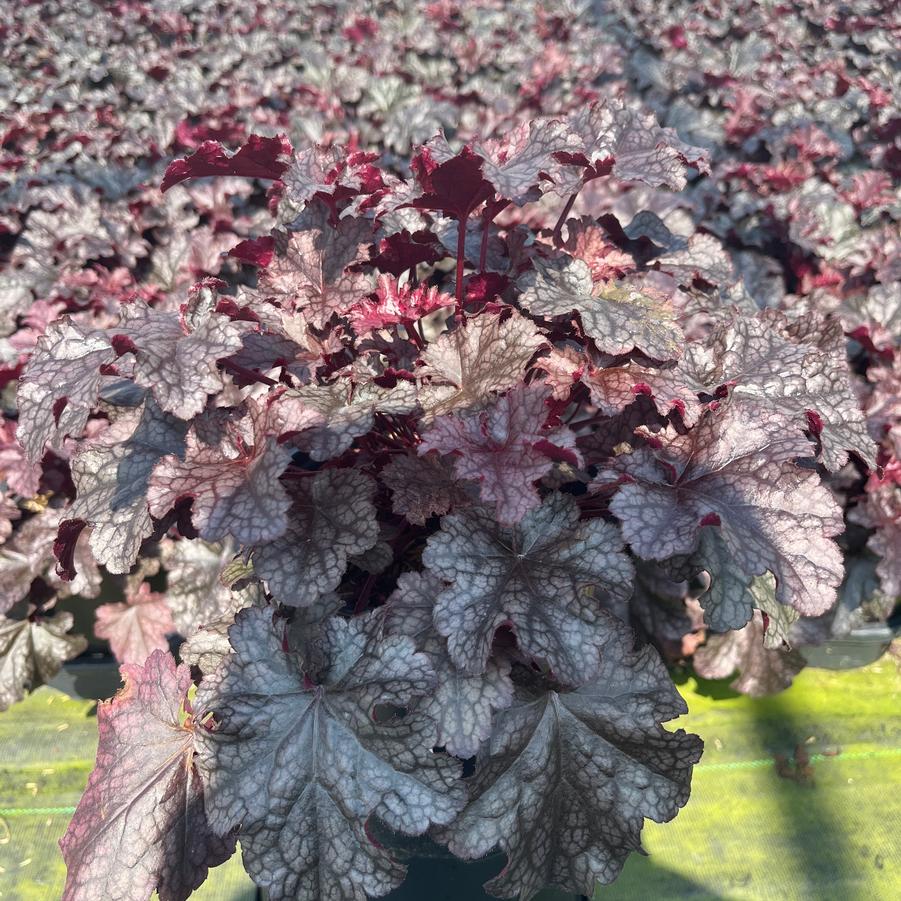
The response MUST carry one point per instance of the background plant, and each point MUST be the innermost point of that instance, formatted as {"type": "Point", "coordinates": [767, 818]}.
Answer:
{"type": "Point", "coordinates": [401, 439]}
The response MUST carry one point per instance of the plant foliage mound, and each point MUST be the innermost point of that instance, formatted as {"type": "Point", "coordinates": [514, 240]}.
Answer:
{"type": "Point", "coordinates": [398, 473]}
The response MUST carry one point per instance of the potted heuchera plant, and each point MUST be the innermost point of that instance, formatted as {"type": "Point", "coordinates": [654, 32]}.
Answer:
{"type": "Point", "coordinates": [410, 465]}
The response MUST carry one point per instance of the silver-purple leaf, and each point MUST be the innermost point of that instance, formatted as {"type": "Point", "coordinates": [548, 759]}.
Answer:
{"type": "Point", "coordinates": [240, 497]}
{"type": "Point", "coordinates": [112, 476]}
{"type": "Point", "coordinates": [462, 704]}
{"type": "Point", "coordinates": [32, 652]}
{"type": "Point", "coordinates": [540, 576]}
{"type": "Point", "coordinates": [734, 471]}
{"type": "Point", "coordinates": [60, 385]}
{"type": "Point", "coordinates": [299, 767]}
{"type": "Point", "coordinates": [501, 447]}
{"type": "Point", "coordinates": [195, 591]}
{"type": "Point", "coordinates": [798, 368]}
{"type": "Point", "coordinates": [761, 670]}
{"type": "Point", "coordinates": [568, 778]}
{"type": "Point", "coordinates": [465, 365]}
{"type": "Point", "coordinates": [332, 517]}
{"type": "Point", "coordinates": [328, 418]}
{"type": "Point", "coordinates": [312, 269]}
{"type": "Point", "coordinates": [175, 360]}
{"type": "Point", "coordinates": [423, 486]}
{"type": "Point", "coordinates": [733, 595]}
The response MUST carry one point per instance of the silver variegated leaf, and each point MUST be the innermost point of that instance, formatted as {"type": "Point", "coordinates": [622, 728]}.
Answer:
{"type": "Point", "coordinates": [568, 778]}
{"type": "Point", "coordinates": [298, 767]}
{"type": "Point", "coordinates": [548, 577]}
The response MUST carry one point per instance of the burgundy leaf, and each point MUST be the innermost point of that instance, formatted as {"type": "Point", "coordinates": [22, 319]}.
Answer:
{"type": "Point", "coordinates": [258, 158]}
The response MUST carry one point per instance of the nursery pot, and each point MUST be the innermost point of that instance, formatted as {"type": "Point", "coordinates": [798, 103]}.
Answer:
{"type": "Point", "coordinates": [434, 873]}
{"type": "Point", "coordinates": [860, 647]}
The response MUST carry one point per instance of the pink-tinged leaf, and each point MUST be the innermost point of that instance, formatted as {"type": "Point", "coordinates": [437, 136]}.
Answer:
{"type": "Point", "coordinates": [462, 704]}
{"type": "Point", "coordinates": [175, 355]}
{"type": "Point", "coordinates": [422, 487]}
{"type": "Point", "coordinates": [258, 158]}
{"type": "Point", "coordinates": [311, 272]}
{"type": "Point", "coordinates": [761, 670]}
{"type": "Point", "coordinates": [568, 777]}
{"type": "Point", "coordinates": [607, 134]}
{"type": "Point", "coordinates": [395, 304]}
{"type": "Point", "coordinates": [513, 164]}
{"type": "Point", "coordinates": [332, 517]}
{"type": "Point", "coordinates": [32, 651]}
{"type": "Point", "coordinates": [733, 595]}
{"type": "Point", "coordinates": [60, 385]}
{"type": "Point", "coordinates": [237, 496]}
{"type": "Point", "coordinates": [301, 775]}
{"type": "Point", "coordinates": [874, 317]}
{"type": "Point", "coordinates": [20, 474]}
{"type": "Point", "coordinates": [534, 577]}
{"type": "Point", "coordinates": [485, 355]}
{"type": "Point", "coordinates": [136, 627]}
{"type": "Point", "coordinates": [195, 592]}
{"type": "Point", "coordinates": [334, 176]}
{"type": "Point", "coordinates": [565, 368]}
{"type": "Point", "coordinates": [503, 448]}
{"type": "Point", "coordinates": [140, 826]}
{"type": "Point", "coordinates": [792, 367]}
{"type": "Point", "coordinates": [736, 464]}
{"type": "Point", "coordinates": [617, 317]}
{"type": "Point", "coordinates": [587, 241]}
{"type": "Point", "coordinates": [112, 476]}
{"type": "Point", "coordinates": [28, 554]}
{"type": "Point", "coordinates": [614, 388]}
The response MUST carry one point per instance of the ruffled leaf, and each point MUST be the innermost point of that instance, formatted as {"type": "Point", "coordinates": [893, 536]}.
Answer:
{"type": "Point", "coordinates": [761, 670]}
{"type": "Point", "coordinates": [301, 774]}
{"type": "Point", "coordinates": [618, 318]}
{"type": "Point", "coordinates": [536, 577]}
{"type": "Point", "coordinates": [506, 448]}
{"type": "Point", "coordinates": [60, 385]}
{"type": "Point", "coordinates": [112, 476]}
{"type": "Point", "coordinates": [32, 651]}
{"type": "Point", "coordinates": [332, 517]}
{"type": "Point", "coordinates": [141, 825]}
{"type": "Point", "coordinates": [569, 777]}
{"type": "Point", "coordinates": [462, 704]}
{"type": "Point", "coordinates": [464, 366]}
{"type": "Point", "coordinates": [734, 471]}
{"type": "Point", "coordinates": [136, 627]}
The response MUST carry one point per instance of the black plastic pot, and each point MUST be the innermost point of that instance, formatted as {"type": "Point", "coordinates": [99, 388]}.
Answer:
{"type": "Point", "coordinates": [435, 874]}
{"type": "Point", "coordinates": [92, 677]}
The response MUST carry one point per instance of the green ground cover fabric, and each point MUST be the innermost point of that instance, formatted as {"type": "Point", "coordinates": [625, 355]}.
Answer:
{"type": "Point", "coordinates": [798, 796]}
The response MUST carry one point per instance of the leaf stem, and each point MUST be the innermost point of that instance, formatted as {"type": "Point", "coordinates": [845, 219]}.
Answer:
{"type": "Point", "coordinates": [461, 253]}
{"type": "Point", "coordinates": [558, 228]}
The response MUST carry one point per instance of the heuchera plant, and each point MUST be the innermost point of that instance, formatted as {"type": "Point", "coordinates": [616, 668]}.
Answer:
{"type": "Point", "coordinates": [403, 483]}
{"type": "Point", "coordinates": [427, 452]}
